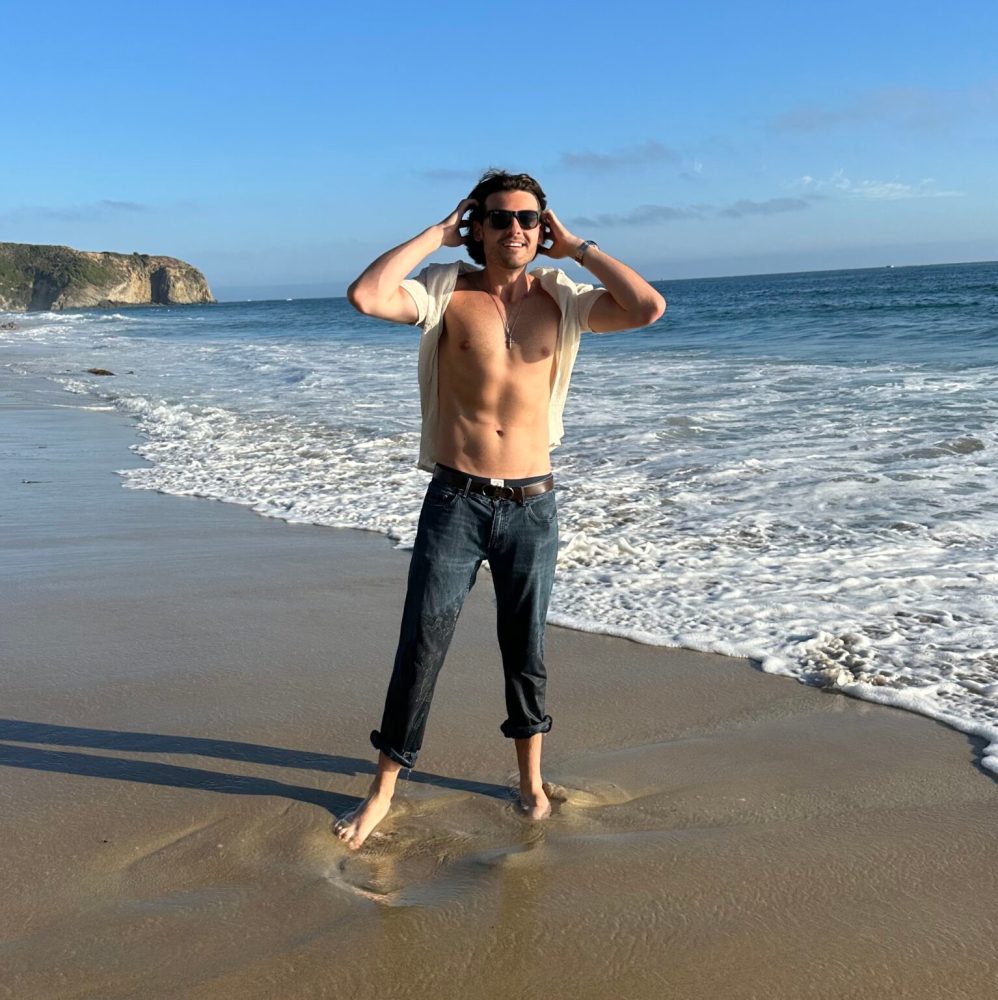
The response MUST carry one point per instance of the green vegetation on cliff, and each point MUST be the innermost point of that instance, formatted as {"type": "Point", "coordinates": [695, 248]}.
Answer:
{"type": "Point", "coordinates": [22, 264]}
{"type": "Point", "coordinates": [55, 277]}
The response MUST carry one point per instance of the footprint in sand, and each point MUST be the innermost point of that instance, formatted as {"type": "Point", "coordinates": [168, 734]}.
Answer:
{"type": "Point", "coordinates": [374, 878]}
{"type": "Point", "coordinates": [424, 846]}
{"type": "Point", "coordinates": [587, 794]}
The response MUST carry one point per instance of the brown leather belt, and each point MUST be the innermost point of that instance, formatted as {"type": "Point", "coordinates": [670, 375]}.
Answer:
{"type": "Point", "coordinates": [470, 484]}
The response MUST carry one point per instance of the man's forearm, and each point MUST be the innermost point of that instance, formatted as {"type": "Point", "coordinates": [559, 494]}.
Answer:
{"type": "Point", "coordinates": [629, 290]}
{"type": "Point", "coordinates": [381, 279]}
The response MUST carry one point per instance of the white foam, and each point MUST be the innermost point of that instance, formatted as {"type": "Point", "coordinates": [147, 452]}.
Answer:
{"type": "Point", "coordinates": [837, 524]}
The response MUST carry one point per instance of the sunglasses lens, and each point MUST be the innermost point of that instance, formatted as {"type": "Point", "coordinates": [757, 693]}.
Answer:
{"type": "Point", "coordinates": [502, 218]}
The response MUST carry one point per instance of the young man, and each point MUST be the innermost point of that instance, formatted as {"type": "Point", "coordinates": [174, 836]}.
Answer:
{"type": "Point", "coordinates": [495, 360]}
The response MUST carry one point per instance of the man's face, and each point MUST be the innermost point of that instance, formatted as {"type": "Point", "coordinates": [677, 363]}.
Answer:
{"type": "Point", "coordinates": [514, 246]}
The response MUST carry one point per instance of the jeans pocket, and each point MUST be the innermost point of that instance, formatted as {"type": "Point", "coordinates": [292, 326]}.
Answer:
{"type": "Point", "coordinates": [542, 510]}
{"type": "Point", "coordinates": [440, 496]}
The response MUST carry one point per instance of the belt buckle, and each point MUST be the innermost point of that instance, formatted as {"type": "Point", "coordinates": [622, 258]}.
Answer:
{"type": "Point", "coordinates": [496, 492]}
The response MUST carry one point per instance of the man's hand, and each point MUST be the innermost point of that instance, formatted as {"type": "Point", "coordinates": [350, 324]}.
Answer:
{"type": "Point", "coordinates": [451, 226]}
{"type": "Point", "coordinates": [629, 303]}
{"type": "Point", "coordinates": [563, 243]}
{"type": "Point", "coordinates": [379, 292]}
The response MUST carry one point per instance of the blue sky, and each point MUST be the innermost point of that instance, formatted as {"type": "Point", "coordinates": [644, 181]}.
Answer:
{"type": "Point", "coordinates": [281, 147]}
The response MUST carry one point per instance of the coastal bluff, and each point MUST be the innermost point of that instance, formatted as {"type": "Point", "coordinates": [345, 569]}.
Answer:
{"type": "Point", "coordinates": [36, 277]}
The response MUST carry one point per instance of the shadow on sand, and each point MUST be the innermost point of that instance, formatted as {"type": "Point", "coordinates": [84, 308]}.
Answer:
{"type": "Point", "coordinates": [178, 776]}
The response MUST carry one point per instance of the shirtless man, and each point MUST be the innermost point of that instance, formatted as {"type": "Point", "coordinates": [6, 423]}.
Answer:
{"type": "Point", "coordinates": [496, 355]}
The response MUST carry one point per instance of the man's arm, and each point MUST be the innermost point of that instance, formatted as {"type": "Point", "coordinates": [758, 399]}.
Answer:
{"type": "Point", "coordinates": [378, 291]}
{"type": "Point", "coordinates": [629, 301]}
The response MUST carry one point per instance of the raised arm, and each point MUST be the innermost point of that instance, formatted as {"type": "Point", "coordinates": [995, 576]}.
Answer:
{"type": "Point", "coordinates": [378, 291]}
{"type": "Point", "coordinates": [629, 301]}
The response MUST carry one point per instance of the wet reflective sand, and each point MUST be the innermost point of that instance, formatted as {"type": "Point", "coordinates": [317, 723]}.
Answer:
{"type": "Point", "coordinates": [188, 691]}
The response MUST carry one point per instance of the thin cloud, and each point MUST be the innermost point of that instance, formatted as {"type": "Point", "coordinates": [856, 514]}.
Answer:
{"type": "Point", "coordinates": [693, 172]}
{"type": "Point", "coordinates": [121, 206]}
{"type": "Point", "coordinates": [91, 212]}
{"type": "Point", "coordinates": [774, 206]}
{"type": "Point", "coordinates": [810, 118]}
{"type": "Point", "coordinates": [911, 108]}
{"type": "Point", "coordinates": [628, 156]}
{"type": "Point", "coordinates": [872, 190]}
{"type": "Point", "coordinates": [645, 215]}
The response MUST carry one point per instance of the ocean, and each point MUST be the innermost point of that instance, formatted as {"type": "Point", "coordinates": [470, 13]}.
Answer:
{"type": "Point", "coordinates": [796, 468]}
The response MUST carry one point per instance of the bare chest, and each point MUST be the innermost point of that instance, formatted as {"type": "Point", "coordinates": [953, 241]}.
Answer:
{"type": "Point", "coordinates": [477, 329]}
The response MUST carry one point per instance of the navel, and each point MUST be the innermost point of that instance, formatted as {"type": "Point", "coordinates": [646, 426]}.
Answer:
{"type": "Point", "coordinates": [499, 432]}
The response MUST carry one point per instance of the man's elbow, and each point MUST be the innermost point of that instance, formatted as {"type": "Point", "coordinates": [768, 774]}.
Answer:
{"type": "Point", "coordinates": [652, 309]}
{"type": "Point", "coordinates": [359, 299]}
{"type": "Point", "coordinates": [355, 297]}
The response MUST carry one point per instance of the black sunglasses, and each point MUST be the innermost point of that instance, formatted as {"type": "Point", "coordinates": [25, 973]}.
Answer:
{"type": "Point", "coordinates": [502, 218]}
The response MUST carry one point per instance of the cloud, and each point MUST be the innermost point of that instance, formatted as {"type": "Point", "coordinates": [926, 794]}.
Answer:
{"type": "Point", "coordinates": [122, 206]}
{"type": "Point", "coordinates": [774, 206]}
{"type": "Point", "coordinates": [693, 171]}
{"type": "Point", "coordinates": [628, 156]}
{"type": "Point", "coordinates": [872, 190]}
{"type": "Point", "coordinates": [90, 212]}
{"type": "Point", "coordinates": [645, 215]}
{"type": "Point", "coordinates": [911, 108]}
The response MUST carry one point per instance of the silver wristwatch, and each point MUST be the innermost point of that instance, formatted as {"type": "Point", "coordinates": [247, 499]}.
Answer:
{"type": "Point", "coordinates": [583, 247]}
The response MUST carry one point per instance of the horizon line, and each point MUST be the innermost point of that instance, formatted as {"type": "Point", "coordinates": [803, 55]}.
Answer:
{"type": "Point", "coordinates": [653, 281]}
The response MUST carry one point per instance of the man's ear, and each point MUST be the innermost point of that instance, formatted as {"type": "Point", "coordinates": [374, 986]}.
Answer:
{"type": "Point", "coordinates": [476, 231]}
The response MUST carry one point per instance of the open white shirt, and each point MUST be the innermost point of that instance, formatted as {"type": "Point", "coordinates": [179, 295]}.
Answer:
{"type": "Point", "coordinates": [431, 290]}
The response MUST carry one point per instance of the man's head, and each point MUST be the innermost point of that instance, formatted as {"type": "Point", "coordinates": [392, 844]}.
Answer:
{"type": "Point", "coordinates": [498, 193]}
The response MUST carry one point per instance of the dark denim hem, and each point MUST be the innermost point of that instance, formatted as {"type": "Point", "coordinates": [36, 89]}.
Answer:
{"type": "Point", "coordinates": [379, 743]}
{"type": "Point", "coordinates": [523, 732]}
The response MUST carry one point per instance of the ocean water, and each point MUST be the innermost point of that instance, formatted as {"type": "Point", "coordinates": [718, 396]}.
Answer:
{"type": "Point", "coordinates": [797, 468]}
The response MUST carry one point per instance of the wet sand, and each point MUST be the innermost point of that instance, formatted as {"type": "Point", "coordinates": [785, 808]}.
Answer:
{"type": "Point", "coordinates": [188, 691]}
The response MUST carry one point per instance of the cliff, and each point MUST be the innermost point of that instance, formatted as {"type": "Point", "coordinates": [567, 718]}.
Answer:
{"type": "Point", "coordinates": [46, 277]}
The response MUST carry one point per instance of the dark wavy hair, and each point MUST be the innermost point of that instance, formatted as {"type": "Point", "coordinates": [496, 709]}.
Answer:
{"type": "Point", "coordinates": [490, 182]}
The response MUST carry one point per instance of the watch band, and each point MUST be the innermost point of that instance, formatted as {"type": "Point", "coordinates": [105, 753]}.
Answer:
{"type": "Point", "coordinates": [583, 247]}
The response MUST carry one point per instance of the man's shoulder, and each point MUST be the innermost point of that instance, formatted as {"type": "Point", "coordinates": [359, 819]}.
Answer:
{"type": "Point", "coordinates": [575, 299]}
{"type": "Point", "coordinates": [558, 284]}
{"type": "Point", "coordinates": [432, 289]}
{"type": "Point", "coordinates": [438, 276]}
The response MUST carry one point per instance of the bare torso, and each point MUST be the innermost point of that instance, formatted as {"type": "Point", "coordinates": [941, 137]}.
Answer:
{"type": "Point", "coordinates": [494, 402]}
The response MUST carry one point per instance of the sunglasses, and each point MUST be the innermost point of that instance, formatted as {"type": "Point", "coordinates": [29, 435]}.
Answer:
{"type": "Point", "coordinates": [502, 218]}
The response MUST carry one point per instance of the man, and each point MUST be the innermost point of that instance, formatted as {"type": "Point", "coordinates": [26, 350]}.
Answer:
{"type": "Point", "coordinates": [496, 356]}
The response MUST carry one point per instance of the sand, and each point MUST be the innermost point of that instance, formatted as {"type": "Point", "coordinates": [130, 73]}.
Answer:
{"type": "Point", "coordinates": [188, 690]}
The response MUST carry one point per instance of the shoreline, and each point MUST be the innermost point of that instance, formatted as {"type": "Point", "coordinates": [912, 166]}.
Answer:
{"type": "Point", "coordinates": [190, 688]}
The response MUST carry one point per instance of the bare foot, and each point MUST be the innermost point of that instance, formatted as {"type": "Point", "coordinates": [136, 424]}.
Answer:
{"type": "Point", "coordinates": [355, 828]}
{"type": "Point", "coordinates": [534, 803]}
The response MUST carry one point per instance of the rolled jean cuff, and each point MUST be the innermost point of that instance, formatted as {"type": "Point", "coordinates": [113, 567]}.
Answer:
{"type": "Point", "coordinates": [380, 743]}
{"type": "Point", "coordinates": [524, 732]}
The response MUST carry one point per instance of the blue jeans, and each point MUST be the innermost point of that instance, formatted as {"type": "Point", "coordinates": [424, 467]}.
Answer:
{"type": "Point", "coordinates": [457, 531]}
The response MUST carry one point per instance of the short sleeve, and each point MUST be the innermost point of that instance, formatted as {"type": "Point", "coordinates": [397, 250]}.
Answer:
{"type": "Point", "coordinates": [584, 301]}
{"type": "Point", "coordinates": [416, 287]}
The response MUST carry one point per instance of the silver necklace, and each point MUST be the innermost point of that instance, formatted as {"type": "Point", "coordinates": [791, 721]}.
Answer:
{"type": "Point", "coordinates": [503, 318]}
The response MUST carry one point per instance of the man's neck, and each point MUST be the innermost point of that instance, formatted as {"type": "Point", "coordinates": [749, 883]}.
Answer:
{"type": "Point", "coordinates": [505, 283]}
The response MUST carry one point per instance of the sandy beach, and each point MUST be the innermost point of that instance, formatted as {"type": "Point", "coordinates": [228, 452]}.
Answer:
{"type": "Point", "coordinates": [188, 691]}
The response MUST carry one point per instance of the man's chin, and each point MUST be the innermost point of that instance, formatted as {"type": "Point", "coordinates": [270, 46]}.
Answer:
{"type": "Point", "coordinates": [519, 258]}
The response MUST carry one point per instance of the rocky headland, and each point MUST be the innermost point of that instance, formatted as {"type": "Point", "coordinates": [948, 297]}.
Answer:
{"type": "Point", "coordinates": [35, 277]}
